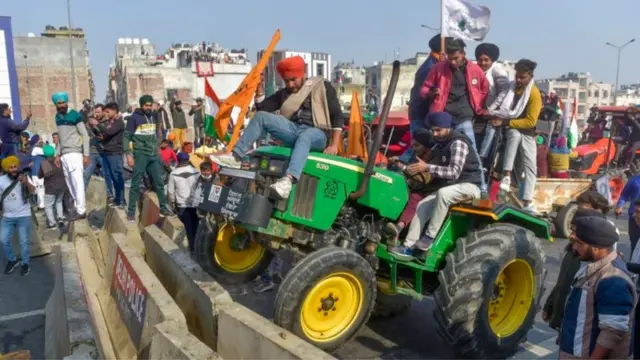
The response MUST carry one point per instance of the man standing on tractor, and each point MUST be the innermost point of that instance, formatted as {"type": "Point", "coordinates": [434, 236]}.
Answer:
{"type": "Point", "coordinates": [518, 109]}
{"type": "Point", "coordinates": [458, 169]}
{"type": "Point", "coordinates": [310, 115]}
{"type": "Point", "coordinates": [459, 87]}
{"type": "Point", "coordinates": [598, 314]}
{"type": "Point", "coordinates": [418, 109]}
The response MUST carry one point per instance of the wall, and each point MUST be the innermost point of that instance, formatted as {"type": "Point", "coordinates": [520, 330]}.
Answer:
{"type": "Point", "coordinates": [8, 80]}
{"type": "Point", "coordinates": [49, 70]}
{"type": "Point", "coordinates": [403, 89]}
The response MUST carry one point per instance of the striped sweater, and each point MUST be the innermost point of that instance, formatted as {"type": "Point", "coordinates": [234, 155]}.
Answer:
{"type": "Point", "coordinates": [599, 310]}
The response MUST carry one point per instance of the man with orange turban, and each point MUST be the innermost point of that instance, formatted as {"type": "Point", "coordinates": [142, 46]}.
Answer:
{"type": "Point", "coordinates": [310, 119]}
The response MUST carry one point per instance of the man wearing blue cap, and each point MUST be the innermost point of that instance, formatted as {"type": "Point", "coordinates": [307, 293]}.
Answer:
{"type": "Point", "coordinates": [457, 166]}
{"type": "Point", "coordinates": [73, 151]}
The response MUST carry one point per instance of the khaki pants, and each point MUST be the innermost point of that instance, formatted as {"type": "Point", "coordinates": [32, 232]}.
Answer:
{"type": "Point", "coordinates": [434, 208]}
{"type": "Point", "coordinates": [181, 137]}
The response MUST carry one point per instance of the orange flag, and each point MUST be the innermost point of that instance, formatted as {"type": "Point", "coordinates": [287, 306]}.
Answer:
{"type": "Point", "coordinates": [356, 142]}
{"type": "Point", "coordinates": [238, 102]}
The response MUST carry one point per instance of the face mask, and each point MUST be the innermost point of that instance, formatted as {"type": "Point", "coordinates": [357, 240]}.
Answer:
{"type": "Point", "coordinates": [206, 177]}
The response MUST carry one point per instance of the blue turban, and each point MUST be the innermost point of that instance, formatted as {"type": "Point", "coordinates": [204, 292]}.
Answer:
{"type": "Point", "coordinates": [60, 96]}
{"type": "Point", "coordinates": [440, 120]}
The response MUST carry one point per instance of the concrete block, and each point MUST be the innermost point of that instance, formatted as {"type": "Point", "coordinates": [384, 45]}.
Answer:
{"type": "Point", "coordinates": [96, 195]}
{"type": "Point", "coordinates": [68, 323]}
{"type": "Point", "coordinates": [196, 293]}
{"type": "Point", "coordinates": [172, 341]}
{"type": "Point", "coordinates": [80, 231]}
{"type": "Point", "coordinates": [133, 300]}
{"type": "Point", "coordinates": [171, 226]}
{"type": "Point", "coordinates": [247, 335]}
{"type": "Point", "coordinates": [174, 229]}
{"type": "Point", "coordinates": [116, 222]}
{"type": "Point", "coordinates": [92, 278]}
{"type": "Point", "coordinates": [37, 244]}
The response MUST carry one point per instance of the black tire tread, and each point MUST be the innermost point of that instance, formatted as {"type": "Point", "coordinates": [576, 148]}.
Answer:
{"type": "Point", "coordinates": [460, 296]}
{"type": "Point", "coordinates": [563, 219]}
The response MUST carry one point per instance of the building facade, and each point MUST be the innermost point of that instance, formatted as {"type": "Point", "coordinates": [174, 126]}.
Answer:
{"type": "Point", "coordinates": [43, 67]}
{"type": "Point", "coordinates": [628, 95]}
{"type": "Point", "coordinates": [318, 64]}
{"type": "Point", "coordinates": [178, 73]}
{"type": "Point", "coordinates": [347, 78]}
{"type": "Point", "coordinates": [579, 86]}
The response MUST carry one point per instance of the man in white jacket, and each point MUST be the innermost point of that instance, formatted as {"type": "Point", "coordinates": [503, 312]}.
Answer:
{"type": "Point", "coordinates": [486, 55]}
{"type": "Point", "coordinates": [181, 188]}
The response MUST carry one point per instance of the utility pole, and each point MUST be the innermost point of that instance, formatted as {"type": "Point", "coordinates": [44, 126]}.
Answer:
{"type": "Point", "coordinates": [619, 49]}
{"type": "Point", "coordinates": [74, 92]}
{"type": "Point", "coordinates": [26, 65]}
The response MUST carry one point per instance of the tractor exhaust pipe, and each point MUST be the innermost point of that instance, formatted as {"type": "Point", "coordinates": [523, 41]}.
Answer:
{"type": "Point", "coordinates": [377, 138]}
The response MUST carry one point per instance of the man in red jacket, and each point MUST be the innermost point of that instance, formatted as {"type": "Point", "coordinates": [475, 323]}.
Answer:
{"type": "Point", "coordinates": [459, 87]}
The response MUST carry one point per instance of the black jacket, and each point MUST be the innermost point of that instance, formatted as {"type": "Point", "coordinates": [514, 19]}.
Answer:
{"type": "Point", "coordinates": [112, 133]}
{"type": "Point", "coordinates": [274, 102]}
{"type": "Point", "coordinates": [470, 171]}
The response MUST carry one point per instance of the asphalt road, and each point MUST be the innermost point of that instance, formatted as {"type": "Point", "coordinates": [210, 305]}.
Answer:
{"type": "Point", "coordinates": [413, 335]}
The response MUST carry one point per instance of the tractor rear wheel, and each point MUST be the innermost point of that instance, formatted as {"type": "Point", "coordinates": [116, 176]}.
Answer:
{"type": "Point", "coordinates": [490, 290]}
{"type": "Point", "coordinates": [218, 256]}
{"type": "Point", "coordinates": [390, 304]}
{"type": "Point", "coordinates": [563, 220]}
{"type": "Point", "coordinates": [327, 297]}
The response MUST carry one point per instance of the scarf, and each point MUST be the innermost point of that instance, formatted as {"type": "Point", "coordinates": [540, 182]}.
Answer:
{"type": "Point", "coordinates": [503, 107]}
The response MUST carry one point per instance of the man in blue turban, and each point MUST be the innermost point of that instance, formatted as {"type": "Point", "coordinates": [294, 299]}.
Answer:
{"type": "Point", "coordinates": [72, 153]}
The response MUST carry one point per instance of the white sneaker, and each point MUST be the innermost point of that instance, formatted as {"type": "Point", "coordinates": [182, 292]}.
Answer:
{"type": "Point", "coordinates": [282, 187]}
{"type": "Point", "coordinates": [226, 160]}
{"type": "Point", "coordinates": [505, 184]}
{"type": "Point", "coordinates": [531, 208]}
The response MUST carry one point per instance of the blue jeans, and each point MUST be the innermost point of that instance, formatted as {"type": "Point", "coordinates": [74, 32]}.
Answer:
{"type": "Point", "coordinates": [94, 160]}
{"type": "Point", "coordinates": [302, 138]}
{"type": "Point", "coordinates": [8, 227]}
{"type": "Point", "coordinates": [164, 134]}
{"type": "Point", "coordinates": [114, 177]}
{"type": "Point", "coordinates": [489, 133]}
{"type": "Point", "coordinates": [466, 127]}
{"type": "Point", "coordinates": [9, 149]}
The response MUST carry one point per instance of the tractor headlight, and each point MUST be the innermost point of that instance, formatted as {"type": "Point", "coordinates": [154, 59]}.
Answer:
{"type": "Point", "coordinates": [276, 166]}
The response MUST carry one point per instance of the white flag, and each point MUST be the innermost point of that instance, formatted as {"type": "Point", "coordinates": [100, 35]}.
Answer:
{"type": "Point", "coordinates": [464, 20]}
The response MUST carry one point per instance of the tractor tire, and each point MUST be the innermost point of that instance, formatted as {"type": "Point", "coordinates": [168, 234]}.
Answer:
{"type": "Point", "coordinates": [563, 220]}
{"type": "Point", "coordinates": [388, 305]}
{"type": "Point", "coordinates": [490, 291]}
{"type": "Point", "coordinates": [327, 297]}
{"type": "Point", "coordinates": [227, 265]}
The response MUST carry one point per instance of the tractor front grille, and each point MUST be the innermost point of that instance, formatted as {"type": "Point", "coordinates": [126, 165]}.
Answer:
{"type": "Point", "coordinates": [304, 197]}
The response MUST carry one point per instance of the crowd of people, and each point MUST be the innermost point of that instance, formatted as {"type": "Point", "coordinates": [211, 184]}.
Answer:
{"type": "Point", "coordinates": [99, 140]}
{"type": "Point", "coordinates": [592, 305]}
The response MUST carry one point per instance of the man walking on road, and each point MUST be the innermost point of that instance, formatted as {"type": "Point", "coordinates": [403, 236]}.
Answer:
{"type": "Point", "coordinates": [141, 131]}
{"type": "Point", "coordinates": [10, 131]}
{"type": "Point", "coordinates": [15, 211]}
{"type": "Point", "coordinates": [73, 152]}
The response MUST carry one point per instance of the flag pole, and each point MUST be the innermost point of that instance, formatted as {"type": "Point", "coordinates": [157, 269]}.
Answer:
{"type": "Point", "coordinates": [442, 42]}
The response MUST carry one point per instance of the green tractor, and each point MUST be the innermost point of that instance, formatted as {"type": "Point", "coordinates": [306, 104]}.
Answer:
{"type": "Point", "coordinates": [485, 269]}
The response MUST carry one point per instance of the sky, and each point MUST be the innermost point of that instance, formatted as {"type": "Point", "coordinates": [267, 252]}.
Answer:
{"type": "Point", "coordinates": [561, 35]}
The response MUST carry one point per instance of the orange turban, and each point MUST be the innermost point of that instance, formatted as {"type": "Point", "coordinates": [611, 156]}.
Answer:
{"type": "Point", "coordinates": [293, 67]}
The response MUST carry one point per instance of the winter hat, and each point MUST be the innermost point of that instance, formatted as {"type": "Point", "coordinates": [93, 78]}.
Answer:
{"type": "Point", "coordinates": [424, 137]}
{"type": "Point", "coordinates": [183, 157]}
{"type": "Point", "coordinates": [491, 50]}
{"type": "Point", "coordinates": [146, 99]}
{"type": "Point", "coordinates": [441, 120]}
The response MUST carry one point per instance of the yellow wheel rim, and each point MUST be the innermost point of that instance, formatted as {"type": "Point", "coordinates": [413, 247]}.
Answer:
{"type": "Point", "coordinates": [232, 260]}
{"type": "Point", "coordinates": [511, 298]}
{"type": "Point", "coordinates": [331, 307]}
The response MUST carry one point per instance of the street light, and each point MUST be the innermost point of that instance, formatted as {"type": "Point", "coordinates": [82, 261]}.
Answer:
{"type": "Point", "coordinates": [429, 27]}
{"type": "Point", "coordinates": [619, 48]}
{"type": "Point", "coordinates": [73, 67]}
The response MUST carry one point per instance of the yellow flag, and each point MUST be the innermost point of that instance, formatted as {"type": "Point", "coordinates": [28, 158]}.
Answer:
{"type": "Point", "coordinates": [242, 97]}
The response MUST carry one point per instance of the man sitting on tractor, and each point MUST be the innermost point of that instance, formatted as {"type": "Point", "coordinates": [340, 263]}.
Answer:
{"type": "Point", "coordinates": [457, 167]}
{"type": "Point", "coordinates": [309, 112]}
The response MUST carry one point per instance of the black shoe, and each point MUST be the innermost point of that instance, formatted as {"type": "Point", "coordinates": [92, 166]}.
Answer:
{"type": "Point", "coordinates": [167, 212]}
{"type": "Point", "coordinates": [52, 227]}
{"type": "Point", "coordinates": [11, 265]}
{"type": "Point", "coordinates": [110, 201]}
{"type": "Point", "coordinates": [24, 269]}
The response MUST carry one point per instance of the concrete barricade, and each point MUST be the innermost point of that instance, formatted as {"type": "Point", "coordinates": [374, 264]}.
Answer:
{"type": "Point", "coordinates": [195, 292]}
{"type": "Point", "coordinates": [132, 299]}
{"type": "Point", "coordinates": [68, 324]}
{"type": "Point", "coordinates": [172, 340]}
{"type": "Point", "coordinates": [171, 226]}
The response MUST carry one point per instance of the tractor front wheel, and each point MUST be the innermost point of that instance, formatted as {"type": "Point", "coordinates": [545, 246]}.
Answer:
{"type": "Point", "coordinates": [490, 290]}
{"type": "Point", "coordinates": [227, 254]}
{"type": "Point", "coordinates": [327, 297]}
